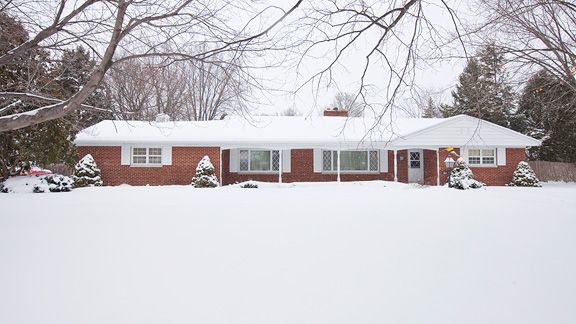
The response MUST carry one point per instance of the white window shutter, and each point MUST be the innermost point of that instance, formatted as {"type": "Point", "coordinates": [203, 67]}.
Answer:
{"type": "Point", "coordinates": [167, 155]}
{"type": "Point", "coordinates": [234, 162]}
{"type": "Point", "coordinates": [317, 160]}
{"type": "Point", "coordinates": [286, 161]}
{"type": "Point", "coordinates": [125, 155]}
{"type": "Point", "coordinates": [383, 160]}
{"type": "Point", "coordinates": [463, 154]}
{"type": "Point", "coordinates": [501, 155]}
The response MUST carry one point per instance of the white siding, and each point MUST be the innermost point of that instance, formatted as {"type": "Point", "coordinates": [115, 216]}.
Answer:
{"type": "Point", "coordinates": [465, 131]}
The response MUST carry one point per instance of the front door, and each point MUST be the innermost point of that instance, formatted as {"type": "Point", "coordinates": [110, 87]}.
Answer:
{"type": "Point", "coordinates": [415, 166]}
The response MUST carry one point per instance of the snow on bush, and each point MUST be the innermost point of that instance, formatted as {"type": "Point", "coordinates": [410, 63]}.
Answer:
{"type": "Point", "coordinates": [86, 173]}
{"type": "Point", "coordinates": [249, 185]}
{"type": "Point", "coordinates": [524, 176]}
{"type": "Point", "coordinates": [37, 184]}
{"type": "Point", "coordinates": [462, 177]}
{"type": "Point", "coordinates": [205, 176]}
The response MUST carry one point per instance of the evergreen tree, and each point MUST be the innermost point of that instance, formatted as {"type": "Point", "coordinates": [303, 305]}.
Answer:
{"type": "Point", "coordinates": [86, 173]}
{"type": "Point", "coordinates": [44, 143]}
{"type": "Point", "coordinates": [547, 111]}
{"type": "Point", "coordinates": [431, 110]}
{"type": "Point", "coordinates": [205, 176]}
{"type": "Point", "coordinates": [462, 177]}
{"type": "Point", "coordinates": [482, 90]}
{"type": "Point", "coordinates": [524, 176]}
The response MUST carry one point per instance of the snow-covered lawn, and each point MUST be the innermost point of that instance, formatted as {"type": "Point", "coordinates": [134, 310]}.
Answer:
{"type": "Point", "coordinates": [311, 253]}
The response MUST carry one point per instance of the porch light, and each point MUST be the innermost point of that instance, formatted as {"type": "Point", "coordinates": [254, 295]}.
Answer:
{"type": "Point", "coordinates": [449, 162]}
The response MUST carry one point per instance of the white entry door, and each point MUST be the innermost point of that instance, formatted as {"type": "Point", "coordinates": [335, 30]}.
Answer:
{"type": "Point", "coordinates": [415, 166]}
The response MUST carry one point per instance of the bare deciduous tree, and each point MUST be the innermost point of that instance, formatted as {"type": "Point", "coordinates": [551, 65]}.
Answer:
{"type": "Point", "coordinates": [172, 30]}
{"type": "Point", "coordinates": [350, 103]}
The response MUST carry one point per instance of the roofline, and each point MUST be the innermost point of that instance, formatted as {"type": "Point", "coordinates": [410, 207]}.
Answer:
{"type": "Point", "coordinates": [463, 116]}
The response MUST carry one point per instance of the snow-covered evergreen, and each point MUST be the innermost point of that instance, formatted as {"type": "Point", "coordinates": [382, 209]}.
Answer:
{"type": "Point", "coordinates": [86, 173]}
{"type": "Point", "coordinates": [462, 177]}
{"type": "Point", "coordinates": [524, 176]}
{"type": "Point", "coordinates": [205, 176]}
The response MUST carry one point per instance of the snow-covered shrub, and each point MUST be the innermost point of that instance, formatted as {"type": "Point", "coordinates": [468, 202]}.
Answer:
{"type": "Point", "coordinates": [249, 185]}
{"type": "Point", "coordinates": [37, 184]}
{"type": "Point", "coordinates": [462, 177]}
{"type": "Point", "coordinates": [86, 173]}
{"type": "Point", "coordinates": [524, 176]}
{"type": "Point", "coordinates": [205, 176]}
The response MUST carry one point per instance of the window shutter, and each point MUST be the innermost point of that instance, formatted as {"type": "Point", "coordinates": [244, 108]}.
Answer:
{"type": "Point", "coordinates": [167, 155]}
{"type": "Point", "coordinates": [384, 161]}
{"type": "Point", "coordinates": [317, 160]}
{"type": "Point", "coordinates": [501, 155]}
{"type": "Point", "coordinates": [286, 160]}
{"type": "Point", "coordinates": [463, 154]}
{"type": "Point", "coordinates": [125, 155]}
{"type": "Point", "coordinates": [234, 162]}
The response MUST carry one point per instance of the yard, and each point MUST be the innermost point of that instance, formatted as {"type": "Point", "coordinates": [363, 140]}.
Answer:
{"type": "Point", "coordinates": [372, 252]}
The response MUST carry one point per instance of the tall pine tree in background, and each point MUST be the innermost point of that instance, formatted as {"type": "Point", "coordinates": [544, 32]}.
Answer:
{"type": "Point", "coordinates": [49, 142]}
{"type": "Point", "coordinates": [431, 110]}
{"type": "Point", "coordinates": [482, 90]}
{"type": "Point", "coordinates": [547, 111]}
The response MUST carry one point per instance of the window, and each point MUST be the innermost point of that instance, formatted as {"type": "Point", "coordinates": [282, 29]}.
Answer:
{"type": "Point", "coordinates": [353, 161]}
{"type": "Point", "coordinates": [415, 160]}
{"type": "Point", "coordinates": [482, 156]}
{"type": "Point", "coordinates": [146, 155]}
{"type": "Point", "coordinates": [259, 160]}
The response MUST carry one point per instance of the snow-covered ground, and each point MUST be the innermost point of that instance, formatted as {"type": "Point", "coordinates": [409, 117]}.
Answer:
{"type": "Point", "coordinates": [310, 253]}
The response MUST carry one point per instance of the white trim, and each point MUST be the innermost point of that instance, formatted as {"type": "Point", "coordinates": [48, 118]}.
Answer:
{"type": "Point", "coordinates": [338, 165]}
{"type": "Point", "coordinates": [125, 155]}
{"type": "Point", "coordinates": [395, 166]}
{"type": "Point", "coordinates": [220, 168]}
{"type": "Point", "coordinates": [501, 156]}
{"type": "Point", "coordinates": [481, 156]}
{"type": "Point", "coordinates": [438, 166]}
{"type": "Point", "coordinates": [279, 166]}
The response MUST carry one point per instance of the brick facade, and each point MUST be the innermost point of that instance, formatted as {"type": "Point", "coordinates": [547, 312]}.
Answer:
{"type": "Point", "coordinates": [185, 160]}
{"type": "Point", "coordinates": [301, 170]}
{"type": "Point", "coordinates": [183, 168]}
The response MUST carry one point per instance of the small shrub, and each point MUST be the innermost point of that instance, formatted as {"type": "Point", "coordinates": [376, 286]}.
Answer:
{"type": "Point", "coordinates": [86, 173]}
{"type": "Point", "coordinates": [53, 183]}
{"type": "Point", "coordinates": [524, 176]}
{"type": "Point", "coordinates": [462, 177]}
{"type": "Point", "coordinates": [249, 185]}
{"type": "Point", "coordinates": [205, 176]}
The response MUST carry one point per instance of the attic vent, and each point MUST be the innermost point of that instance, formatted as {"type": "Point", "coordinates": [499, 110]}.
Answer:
{"type": "Point", "coordinates": [162, 118]}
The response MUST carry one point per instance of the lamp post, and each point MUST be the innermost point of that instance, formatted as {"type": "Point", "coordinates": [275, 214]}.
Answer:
{"type": "Point", "coordinates": [449, 163]}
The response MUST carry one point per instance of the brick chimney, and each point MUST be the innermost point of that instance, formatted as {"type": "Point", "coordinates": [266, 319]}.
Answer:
{"type": "Point", "coordinates": [335, 112]}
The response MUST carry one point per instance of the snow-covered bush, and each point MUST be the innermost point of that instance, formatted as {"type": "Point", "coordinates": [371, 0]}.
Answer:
{"type": "Point", "coordinates": [54, 183]}
{"type": "Point", "coordinates": [462, 177]}
{"type": "Point", "coordinates": [86, 173]}
{"type": "Point", "coordinates": [205, 176]}
{"type": "Point", "coordinates": [37, 184]}
{"type": "Point", "coordinates": [249, 185]}
{"type": "Point", "coordinates": [524, 176]}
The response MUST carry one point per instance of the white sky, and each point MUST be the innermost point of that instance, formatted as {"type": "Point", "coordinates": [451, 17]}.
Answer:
{"type": "Point", "coordinates": [437, 75]}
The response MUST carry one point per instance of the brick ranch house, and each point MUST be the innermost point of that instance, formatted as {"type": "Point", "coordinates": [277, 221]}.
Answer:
{"type": "Point", "coordinates": [332, 147]}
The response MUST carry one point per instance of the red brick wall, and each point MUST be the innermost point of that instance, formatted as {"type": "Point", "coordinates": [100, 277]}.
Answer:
{"type": "Point", "coordinates": [183, 168]}
{"type": "Point", "coordinates": [430, 167]}
{"type": "Point", "coordinates": [301, 170]}
{"type": "Point", "coordinates": [185, 159]}
{"type": "Point", "coordinates": [502, 174]}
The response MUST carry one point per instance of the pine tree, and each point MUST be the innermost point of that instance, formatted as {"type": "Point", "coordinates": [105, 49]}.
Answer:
{"type": "Point", "coordinates": [45, 143]}
{"type": "Point", "coordinates": [205, 176]}
{"type": "Point", "coordinates": [86, 173]}
{"type": "Point", "coordinates": [462, 177]}
{"type": "Point", "coordinates": [482, 90]}
{"type": "Point", "coordinates": [431, 110]}
{"type": "Point", "coordinates": [524, 176]}
{"type": "Point", "coordinates": [547, 111]}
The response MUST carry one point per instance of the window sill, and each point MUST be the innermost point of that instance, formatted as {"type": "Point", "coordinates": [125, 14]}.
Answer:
{"type": "Point", "coordinates": [482, 165]}
{"type": "Point", "coordinates": [352, 172]}
{"type": "Point", "coordinates": [146, 165]}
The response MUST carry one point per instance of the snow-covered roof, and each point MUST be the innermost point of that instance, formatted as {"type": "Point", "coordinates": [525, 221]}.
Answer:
{"type": "Point", "coordinates": [304, 132]}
